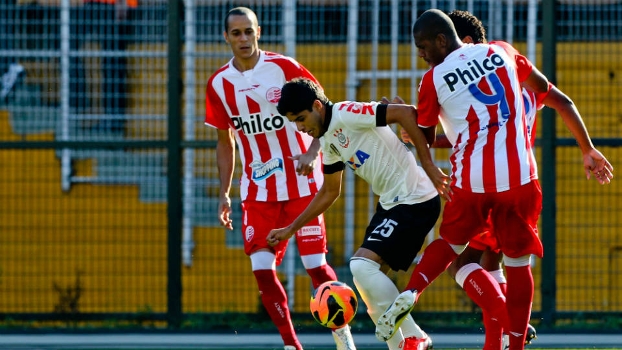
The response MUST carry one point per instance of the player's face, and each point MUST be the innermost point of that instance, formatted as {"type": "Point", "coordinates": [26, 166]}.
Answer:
{"type": "Point", "coordinates": [309, 122]}
{"type": "Point", "coordinates": [243, 37]}
{"type": "Point", "coordinates": [429, 50]}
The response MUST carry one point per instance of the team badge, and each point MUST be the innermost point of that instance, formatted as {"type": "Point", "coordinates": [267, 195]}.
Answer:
{"type": "Point", "coordinates": [273, 95]}
{"type": "Point", "coordinates": [343, 140]}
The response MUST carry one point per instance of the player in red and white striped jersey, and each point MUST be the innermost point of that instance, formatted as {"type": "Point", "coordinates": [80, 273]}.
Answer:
{"type": "Point", "coordinates": [279, 172]}
{"type": "Point", "coordinates": [475, 92]}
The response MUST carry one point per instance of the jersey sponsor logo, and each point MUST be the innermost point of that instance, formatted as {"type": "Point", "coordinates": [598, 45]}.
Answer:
{"type": "Point", "coordinates": [256, 125]}
{"type": "Point", "coordinates": [361, 158]}
{"type": "Point", "coordinates": [310, 231]}
{"type": "Point", "coordinates": [262, 170]}
{"type": "Point", "coordinates": [253, 87]}
{"type": "Point", "coordinates": [273, 95]}
{"type": "Point", "coordinates": [358, 108]}
{"type": "Point", "coordinates": [476, 69]}
{"type": "Point", "coordinates": [249, 234]}
{"type": "Point", "coordinates": [344, 141]}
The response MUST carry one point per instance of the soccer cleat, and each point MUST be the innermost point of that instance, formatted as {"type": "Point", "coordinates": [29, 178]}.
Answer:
{"type": "Point", "coordinates": [414, 343]}
{"type": "Point", "coordinates": [10, 79]}
{"type": "Point", "coordinates": [343, 338]}
{"type": "Point", "coordinates": [391, 320]}
{"type": "Point", "coordinates": [531, 334]}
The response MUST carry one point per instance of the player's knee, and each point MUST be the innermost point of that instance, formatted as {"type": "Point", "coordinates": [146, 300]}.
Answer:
{"type": "Point", "coordinates": [263, 260]}
{"type": "Point", "coordinates": [312, 261]}
{"type": "Point", "coordinates": [517, 262]}
{"type": "Point", "coordinates": [361, 267]}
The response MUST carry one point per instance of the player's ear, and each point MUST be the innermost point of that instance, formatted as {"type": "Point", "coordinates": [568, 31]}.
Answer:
{"type": "Point", "coordinates": [258, 32]}
{"type": "Point", "coordinates": [226, 36]}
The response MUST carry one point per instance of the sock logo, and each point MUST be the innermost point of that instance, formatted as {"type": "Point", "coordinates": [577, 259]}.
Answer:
{"type": "Point", "coordinates": [476, 286]}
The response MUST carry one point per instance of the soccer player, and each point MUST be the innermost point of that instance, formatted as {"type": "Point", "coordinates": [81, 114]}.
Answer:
{"type": "Point", "coordinates": [475, 91]}
{"type": "Point", "coordinates": [279, 176]}
{"type": "Point", "coordinates": [355, 135]}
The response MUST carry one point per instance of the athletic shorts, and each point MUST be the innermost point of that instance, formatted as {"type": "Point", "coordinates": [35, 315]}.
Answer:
{"type": "Point", "coordinates": [513, 214]}
{"type": "Point", "coordinates": [485, 240]}
{"type": "Point", "coordinates": [258, 218]}
{"type": "Point", "coordinates": [397, 234]}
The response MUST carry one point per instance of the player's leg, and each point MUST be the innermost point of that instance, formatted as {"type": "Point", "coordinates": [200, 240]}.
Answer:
{"type": "Point", "coordinates": [312, 246]}
{"type": "Point", "coordinates": [463, 217]}
{"type": "Point", "coordinates": [378, 292]}
{"type": "Point", "coordinates": [311, 241]}
{"type": "Point", "coordinates": [491, 262]}
{"type": "Point", "coordinates": [393, 238]}
{"type": "Point", "coordinates": [518, 210]}
{"type": "Point", "coordinates": [259, 219]}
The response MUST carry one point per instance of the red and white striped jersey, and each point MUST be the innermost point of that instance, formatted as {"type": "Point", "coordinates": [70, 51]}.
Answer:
{"type": "Point", "coordinates": [476, 94]}
{"type": "Point", "coordinates": [246, 102]}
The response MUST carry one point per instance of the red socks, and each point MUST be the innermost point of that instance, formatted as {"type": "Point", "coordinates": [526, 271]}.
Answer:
{"type": "Point", "coordinates": [321, 274]}
{"type": "Point", "coordinates": [437, 256]}
{"type": "Point", "coordinates": [274, 299]}
{"type": "Point", "coordinates": [519, 300]}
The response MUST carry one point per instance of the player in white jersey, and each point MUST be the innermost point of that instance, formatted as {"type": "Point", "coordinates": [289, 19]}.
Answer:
{"type": "Point", "coordinates": [279, 173]}
{"type": "Point", "coordinates": [355, 135]}
{"type": "Point", "coordinates": [475, 91]}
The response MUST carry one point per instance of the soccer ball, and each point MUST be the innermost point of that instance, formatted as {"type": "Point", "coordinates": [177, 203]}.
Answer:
{"type": "Point", "coordinates": [333, 304]}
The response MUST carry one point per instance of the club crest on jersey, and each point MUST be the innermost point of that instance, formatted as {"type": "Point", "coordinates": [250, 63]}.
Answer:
{"type": "Point", "coordinates": [262, 170]}
{"type": "Point", "coordinates": [254, 124]}
{"type": "Point", "coordinates": [273, 95]}
{"type": "Point", "coordinates": [476, 69]}
{"type": "Point", "coordinates": [343, 140]}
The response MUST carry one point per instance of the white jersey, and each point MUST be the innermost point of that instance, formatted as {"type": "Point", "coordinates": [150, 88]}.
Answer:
{"type": "Point", "coordinates": [357, 136]}
{"type": "Point", "coordinates": [476, 93]}
{"type": "Point", "coordinates": [246, 102]}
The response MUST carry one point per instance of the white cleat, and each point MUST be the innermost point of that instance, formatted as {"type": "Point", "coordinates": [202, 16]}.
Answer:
{"type": "Point", "coordinates": [391, 320]}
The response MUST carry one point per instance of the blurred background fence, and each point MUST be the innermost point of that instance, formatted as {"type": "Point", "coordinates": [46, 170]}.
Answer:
{"type": "Point", "coordinates": [109, 183]}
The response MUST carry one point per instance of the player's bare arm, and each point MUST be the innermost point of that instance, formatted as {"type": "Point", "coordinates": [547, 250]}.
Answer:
{"type": "Point", "coordinates": [306, 162]}
{"type": "Point", "coordinates": [536, 82]}
{"type": "Point", "coordinates": [225, 158]}
{"type": "Point", "coordinates": [328, 194]}
{"type": "Point", "coordinates": [594, 163]}
{"type": "Point", "coordinates": [406, 117]}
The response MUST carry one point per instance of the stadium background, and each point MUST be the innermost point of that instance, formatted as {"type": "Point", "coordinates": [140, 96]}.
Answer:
{"type": "Point", "coordinates": [101, 231]}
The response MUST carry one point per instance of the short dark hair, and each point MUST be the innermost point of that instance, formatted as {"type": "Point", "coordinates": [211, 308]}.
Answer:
{"type": "Point", "coordinates": [240, 11]}
{"type": "Point", "coordinates": [298, 95]}
{"type": "Point", "coordinates": [468, 25]}
{"type": "Point", "coordinates": [432, 23]}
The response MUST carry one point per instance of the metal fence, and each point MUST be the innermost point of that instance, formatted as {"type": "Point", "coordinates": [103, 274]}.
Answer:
{"type": "Point", "coordinates": [109, 182]}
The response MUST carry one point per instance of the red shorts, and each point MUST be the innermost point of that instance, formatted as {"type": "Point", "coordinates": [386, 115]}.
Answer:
{"type": "Point", "coordinates": [513, 214]}
{"type": "Point", "coordinates": [258, 218]}
{"type": "Point", "coordinates": [485, 240]}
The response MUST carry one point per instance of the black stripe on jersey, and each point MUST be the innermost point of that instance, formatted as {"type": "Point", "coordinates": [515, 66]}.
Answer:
{"type": "Point", "coordinates": [333, 168]}
{"type": "Point", "coordinates": [381, 115]}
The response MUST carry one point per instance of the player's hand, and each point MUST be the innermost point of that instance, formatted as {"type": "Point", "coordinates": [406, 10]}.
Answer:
{"type": "Point", "coordinates": [404, 136]}
{"type": "Point", "coordinates": [396, 100]}
{"type": "Point", "coordinates": [224, 212]}
{"type": "Point", "coordinates": [305, 163]}
{"type": "Point", "coordinates": [597, 165]}
{"type": "Point", "coordinates": [277, 235]}
{"type": "Point", "coordinates": [440, 180]}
